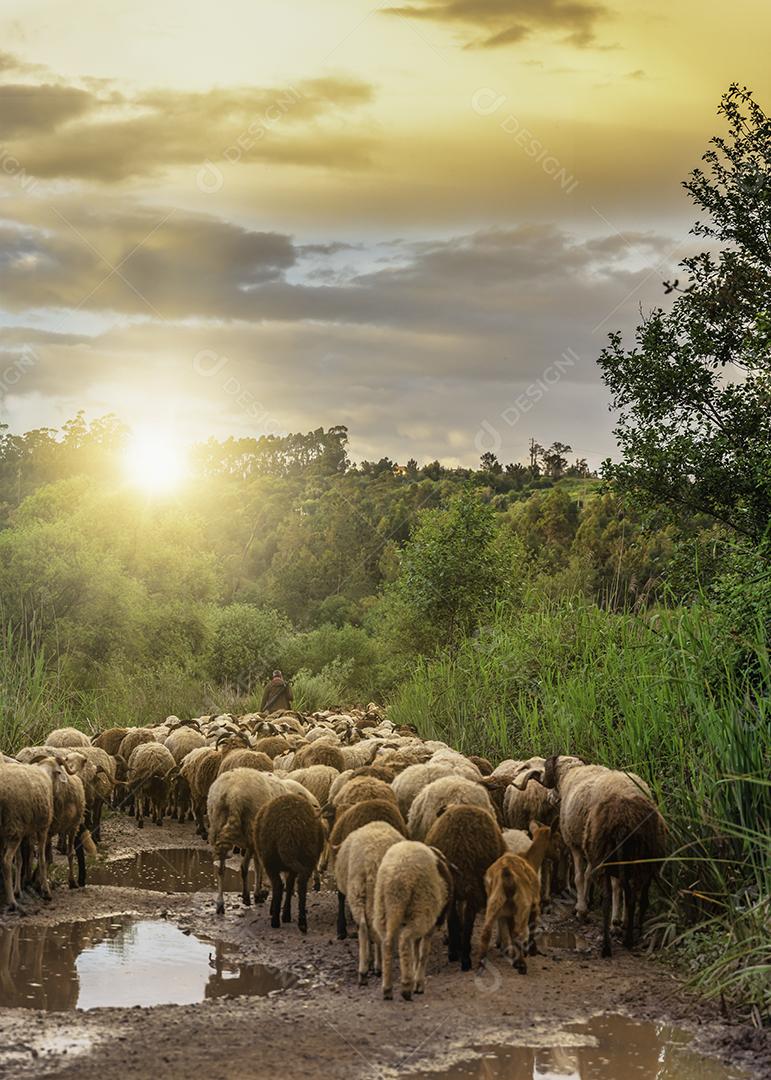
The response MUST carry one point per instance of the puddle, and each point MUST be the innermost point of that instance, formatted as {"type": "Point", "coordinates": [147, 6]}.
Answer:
{"type": "Point", "coordinates": [167, 870]}
{"type": "Point", "coordinates": [604, 1048]}
{"type": "Point", "coordinates": [122, 962]}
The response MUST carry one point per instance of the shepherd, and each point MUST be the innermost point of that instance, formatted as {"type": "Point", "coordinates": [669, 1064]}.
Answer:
{"type": "Point", "coordinates": [278, 694]}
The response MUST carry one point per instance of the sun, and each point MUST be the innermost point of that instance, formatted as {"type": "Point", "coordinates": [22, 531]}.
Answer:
{"type": "Point", "coordinates": [156, 462]}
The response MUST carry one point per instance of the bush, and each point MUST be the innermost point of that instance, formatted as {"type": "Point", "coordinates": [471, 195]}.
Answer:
{"type": "Point", "coordinates": [247, 645]}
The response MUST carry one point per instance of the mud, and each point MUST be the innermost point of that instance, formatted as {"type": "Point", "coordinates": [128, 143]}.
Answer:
{"type": "Point", "coordinates": [326, 1025]}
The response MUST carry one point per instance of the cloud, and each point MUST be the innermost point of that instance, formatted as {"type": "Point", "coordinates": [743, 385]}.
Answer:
{"type": "Point", "coordinates": [455, 328]}
{"type": "Point", "coordinates": [508, 22]}
{"type": "Point", "coordinates": [93, 132]}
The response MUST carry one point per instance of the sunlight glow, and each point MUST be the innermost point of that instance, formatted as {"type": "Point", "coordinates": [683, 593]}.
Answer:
{"type": "Point", "coordinates": [156, 462]}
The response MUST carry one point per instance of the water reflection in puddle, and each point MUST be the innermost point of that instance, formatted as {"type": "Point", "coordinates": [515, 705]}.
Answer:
{"type": "Point", "coordinates": [122, 962]}
{"type": "Point", "coordinates": [167, 870]}
{"type": "Point", "coordinates": [604, 1048]}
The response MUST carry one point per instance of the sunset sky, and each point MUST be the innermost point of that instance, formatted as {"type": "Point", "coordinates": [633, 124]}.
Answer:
{"type": "Point", "coordinates": [243, 217]}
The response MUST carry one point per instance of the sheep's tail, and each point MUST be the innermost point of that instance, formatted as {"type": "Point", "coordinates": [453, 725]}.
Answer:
{"type": "Point", "coordinates": [229, 833]}
{"type": "Point", "coordinates": [87, 843]}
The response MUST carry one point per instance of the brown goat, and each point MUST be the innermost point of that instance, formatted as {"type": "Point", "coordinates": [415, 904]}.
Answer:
{"type": "Point", "coordinates": [246, 759]}
{"type": "Point", "coordinates": [471, 841]}
{"type": "Point", "coordinates": [514, 904]}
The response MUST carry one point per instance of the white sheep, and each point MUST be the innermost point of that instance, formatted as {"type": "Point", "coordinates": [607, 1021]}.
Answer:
{"type": "Point", "coordinates": [413, 890]}
{"type": "Point", "coordinates": [356, 867]}
{"type": "Point", "coordinates": [434, 800]}
{"type": "Point", "coordinates": [412, 780]}
{"type": "Point", "coordinates": [26, 813]}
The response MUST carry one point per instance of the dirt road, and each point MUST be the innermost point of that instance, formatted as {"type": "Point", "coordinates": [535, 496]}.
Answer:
{"type": "Point", "coordinates": [326, 1025]}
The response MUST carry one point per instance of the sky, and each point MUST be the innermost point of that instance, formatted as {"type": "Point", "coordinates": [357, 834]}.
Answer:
{"type": "Point", "coordinates": [419, 219]}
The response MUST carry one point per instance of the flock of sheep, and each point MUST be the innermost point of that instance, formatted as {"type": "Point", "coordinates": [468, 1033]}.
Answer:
{"type": "Point", "coordinates": [413, 832]}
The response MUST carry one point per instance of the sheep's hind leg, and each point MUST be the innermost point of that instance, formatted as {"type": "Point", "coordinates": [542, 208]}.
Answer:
{"type": "Point", "coordinates": [608, 902]}
{"type": "Point", "coordinates": [42, 840]}
{"type": "Point", "coordinates": [617, 918]}
{"type": "Point", "coordinates": [221, 882]}
{"type": "Point", "coordinates": [388, 962]}
{"type": "Point", "coordinates": [406, 963]}
{"type": "Point", "coordinates": [277, 888]}
{"type": "Point", "coordinates": [363, 952]}
{"type": "Point", "coordinates": [423, 949]}
{"type": "Point", "coordinates": [72, 883]}
{"type": "Point", "coordinates": [302, 905]}
{"type": "Point", "coordinates": [342, 922]}
{"type": "Point", "coordinates": [469, 916]}
{"type": "Point", "coordinates": [579, 869]}
{"type": "Point", "coordinates": [246, 859]}
{"type": "Point", "coordinates": [9, 853]}
{"type": "Point", "coordinates": [629, 904]}
{"type": "Point", "coordinates": [81, 857]}
{"type": "Point", "coordinates": [286, 914]}
{"type": "Point", "coordinates": [453, 933]}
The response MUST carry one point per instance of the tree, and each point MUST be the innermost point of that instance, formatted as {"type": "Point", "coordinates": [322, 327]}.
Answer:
{"type": "Point", "coordinates": [248, 644]}
{"type": "Point", "coordinates": [489, 463]}
{"type": "Point", "coordinates": [694, 393]}
{"type": "Point", "coordinates": [555, 460]}
{"type": "Point", "coordinates": [455, 565]}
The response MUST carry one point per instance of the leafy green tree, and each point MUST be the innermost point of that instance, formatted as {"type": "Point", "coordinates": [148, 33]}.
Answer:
{"type": "Point", "coordinates": [455, 565]}
{"type": "Point", "coordinates": [247, 644]}
{"type": "Point", "coordinates": [694, 393]}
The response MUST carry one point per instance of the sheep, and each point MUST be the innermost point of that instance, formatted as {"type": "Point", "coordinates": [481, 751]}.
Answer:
{"type": "Point", "coordinates": [413, 890]}
{"type": "Point", "coordinates": [360, 789]}
{"type": "Point", "coordinates": [523, 805]}
{"type": "Point", "coordinates": [579, 787]}
{"type": "Point", "coordinates": [182, 740]}
{"type": "Point", "coordinates": [626, 836]}
{"type": "Point", "coordinates": [362, 813]}
{"type": "Point", "coordinates": [99, 785]}
{"type": "Point", "coordinates": [513, 903]}
{"type": "Point", "coordinates": [26, 813]}
{"type": "Point", "coordinates": [67, 736]}
{"type": "Point", "coordinates": [510, 769]}
{"type": "Point", "coordinates": [361, 753]}
{"type": "Point", "coordinates": [289, 838]}
{"type": "Point", "coordinates": [356, 868]}
{"type": "Point", "coordinates": [233, 802]}
{"type": "Point", "coordinates": [69, 809]}
{"type": "Point", "coordinates": [440, 794]}
{"type": "Point", "coordinates": [272, 745]}
{"type": "Point", "coordinates": [317, 779]}
{"type": "Point", "coordinates": [246, 759]}
{"type": "Point", "coordinates": [411, 781]}
{"type": "Point", "coordinates": [485, 767]}
{"type": "Point", "coordinates": [200, 769]}
{"type": "Point", "coordinates": [471, 841]}
{"type": "Point", "coordinates": [319, 753]}
{"type": "Point", "coordinates": [150, 769]}
{"type": "Point", "coordinates": [110, 739]}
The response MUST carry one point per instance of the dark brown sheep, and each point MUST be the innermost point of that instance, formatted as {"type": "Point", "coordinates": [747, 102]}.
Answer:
{"type": "Point", "coordinates": [471, 841]}
{"type": "Point", "coordinates": [380, 772]}
{"type": "Point", "coordinates": [110, 739]}
{"type": "Point", "coordinates": [625, 837]}
{"type": "Point", "coordinates": [289, 838]}
{"type": "Point", "coordinates": [484, 766]}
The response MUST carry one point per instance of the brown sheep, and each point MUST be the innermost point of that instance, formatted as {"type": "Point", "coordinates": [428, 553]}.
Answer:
{"type": "Point", "coordinates": [110, 739]}
{"type": "Point", "coordinates": [496, 786]}
{"type": "Point", "coordinates": [319, 753]}
{"type": "Point", "coordinates": [625, 836]}
{"type": "Point", "coordinates": [272, 745]}
{"type": "Point", "coordinates": [362, 789]}
{"type": "Point", "coordinates": [200, 776]}
{"type": "Point", "coordinates": [471, 841]}
{"type": "Point", "coordinates": [289, 837]}
{"type": "Point", "coordinates": [380, 772]}
{"type": "Point", "coordinates": [484, 766]}
{"type": "Point", "coordinates": [246, 759]}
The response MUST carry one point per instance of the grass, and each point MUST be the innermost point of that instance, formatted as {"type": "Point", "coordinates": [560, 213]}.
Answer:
{"type": "Point", "coordinates": [660, 696]}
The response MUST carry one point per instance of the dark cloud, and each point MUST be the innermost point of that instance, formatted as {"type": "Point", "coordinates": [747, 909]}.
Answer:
{"type": "Point", "coordinates": [93, 132]}
{"type": "Point", "coordinates": [508, 22]}
{"type": "Point", "coordinates": [417, 356]}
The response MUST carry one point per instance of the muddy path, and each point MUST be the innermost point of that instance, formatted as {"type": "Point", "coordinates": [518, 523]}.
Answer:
{"type": "Point", "coordinates": [312, 1017]}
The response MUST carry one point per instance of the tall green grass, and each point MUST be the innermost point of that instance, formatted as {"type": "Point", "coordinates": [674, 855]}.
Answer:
{"type": "Point", "coordinates": [33, 697]}
{"type": "Point", "coordinates": [660, 695]}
